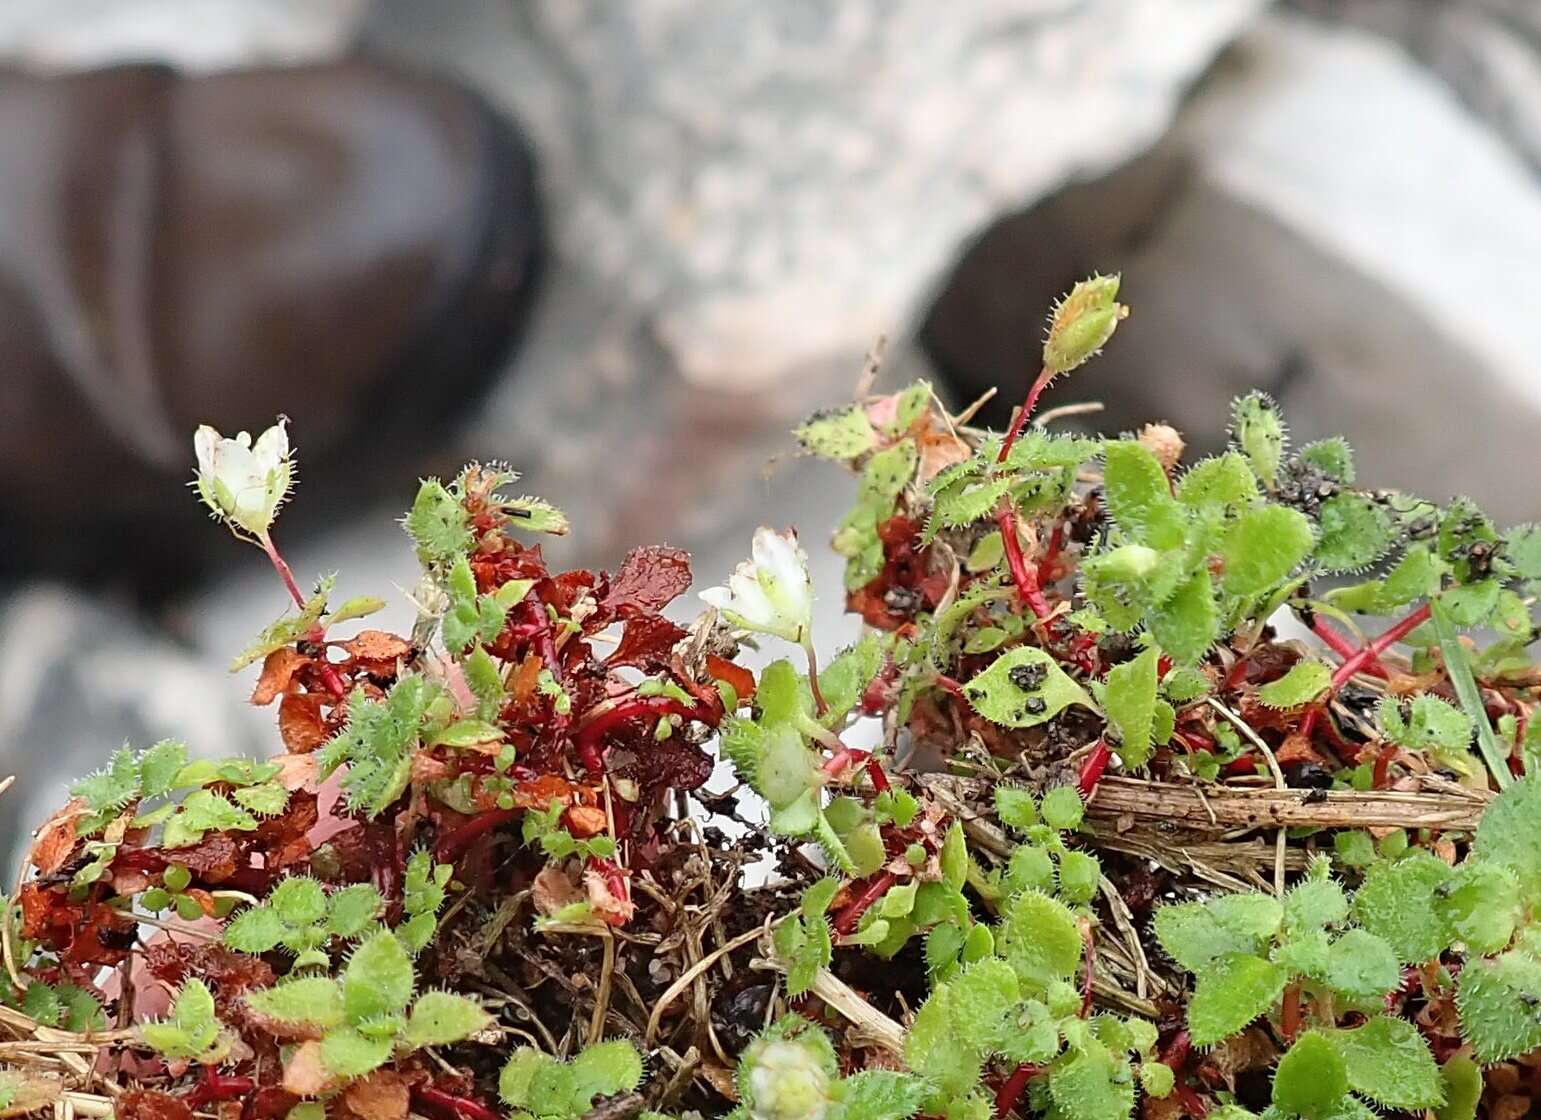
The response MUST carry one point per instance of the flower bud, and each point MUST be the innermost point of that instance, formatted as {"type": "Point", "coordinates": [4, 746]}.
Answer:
{"type": "Point", "coordinates": [787, 1081]}
{"type": "Point", "coordinates": [1082, 323]}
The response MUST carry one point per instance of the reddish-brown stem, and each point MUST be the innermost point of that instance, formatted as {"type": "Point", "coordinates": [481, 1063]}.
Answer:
{"type": "Point", "coordinates": [1093, 768]}
{"type": "Point", "coordinates": [1024, 576]}
{"type": "Point", "coordinates": [1192, 1104]}
{"type": "Point", "coordinates": [1012, 1088]}
{"type": "Point", "coordinates": [1026, 411]}
{"type": "Point", "coordinates": [1308, 723]}
{"type": "Point", "coordinates": [1236, 674]}
{"type": "Point", "coordinates": [850, 915]}
{"type": "Point", "coordinates": [587, 740]}
{"type": "Point", "coordinates": [878, 778]}
{"type": "Point", "coordinates": [1341, 646]}
{"type": "Point", "coordinates": [330, 677]}
{"type": "Point", "coordinates": [1382, 767]}
{"type": "Point", "coordinates": [1177, 1050]}
{"type": "Point", "coordinates": [1379, 646]}
{"type": "Point", "coordinates": [820, 706]}
{"type": "Point", "coordinates": [215, 1086]}
{"type": "Point", "coordinates": [464, 1108]}
{"type": "Point", "coordinates": [947, 684]}
{"type": "Point", "coordinates": [281, 566]}
{"type": "Point", "coordinates": [1051, 554]}
{"type": "Point", "coordinates": [1289, 1016]}
{"type": "Point", "coordinates": [459, 838]}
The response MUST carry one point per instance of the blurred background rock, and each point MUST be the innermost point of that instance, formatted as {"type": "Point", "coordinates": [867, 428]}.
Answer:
{"type": "Point", "coordinates": [1337, 201]}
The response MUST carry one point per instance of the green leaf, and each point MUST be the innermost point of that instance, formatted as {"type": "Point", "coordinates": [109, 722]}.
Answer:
{"type": "Point", "coordinates": [438, 524]}
{"type": "Point", "coordinates": [353, 909]}
{"type": "Point", "coordinates": [1023, 688]}
{"type": "Point", "coordinates": [299, 900]}
{"type": "Point", "coordinates": [378, 743]}
{"type": "Point", "coordinates": [1264, 546]}
{"type": "Point", "coordinates": [1311, 1079]}
{"type": "Point", "coordinates": [439, 1018]}
{"type": "Point", "coordinates": [1507, 834]}
{"type": "Point", "coordinates": [1462, 1080]}
{"type": "Point", "coordinates": [1196, 934]}
{"type": "Point", "coordinates": [1258, 430]}
{"type": "Point", "coordinates": [535, 516]}
{"type": "Point", "coordinates": [847, 676]}
{"type": "Point", "coordinates": [933, 1049]}
{"type": "Point", "coordinates": [204, 811]}
{"type": "Point", "coordinates": [266, 799]}
{"type": "Point", "coordinates": [1362, 966]}
{"type": "Point", "coordinates": [360, 606]}
{"type": "Point", "coordinates": [604, 1069]}
{"type": "Point", "coordinates": [1428, 723]}
{"type": "Point", "coordinates": [1188, 623]}
{"type": "Point", "coordinates": [255, 930]}
{"type": "Point", "coordinates": [1458, 668]}
{"type": "Point", "coordinates": [518, 1074]}
{"type": "Point", "coordinates": [1398, 903]}
{"type": "Point", "coordinates": [1232, 991]}
{"type": "Point", "coordinates": [316, 1000]}
{"type": "Point", "coordinates": [787, 770]}
{"type": "Point", "coordinates": [1140, 497]}
{"type": "Point", "coordinates": [378, 980]}
{"type": "Point", "coordinates": [288, 629]}
{"type": "Point", "coordinates": [879, 1094]}
{"type": "Point", "coordinates": [113, 787]}
{"type": "Point", "coordinates": [1016, 807]}
{"type": "Point", "coordinates": [1481, 906]}
{"type": "Point", "coordinates": [1219, 482]}
{"type": "Point", "coordinates": [966, 501]}
{"type": "Point", "coordinates": [159, 766]}
{"type": "Point", "coordinates": [1062, 808]}
{"type": "Point", "coordinates": [347, 1053]}
{"type": "Point", "coordinates": [1040, 939]}
{"type": "Point", "coordinates": [1315, 904]}
{"type": "Point", "coordinates": [1183, 683]}
{"type": "Point", "coordinates": [1388, 1061]}
{"type": "Point", "coordinates": [1130, 702]}
{"type": "Point", "coordinates": [1355, 532]}
{"type": "Point", "coordinates": [1091, 1084]}
{"type": "Point", "coordinates": [985, 996]}
{"type": "Point", "coordinates": [1500, 1005]}
{"type": "Point", "coordinates": [842, 433]}
{"type": "Point", "coordinates": [1305, 681]}
{"type": "Point", "coordinates": [1332, 456]}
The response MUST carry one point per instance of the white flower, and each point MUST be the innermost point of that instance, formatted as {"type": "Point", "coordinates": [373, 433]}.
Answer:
{"type": "Point", "coordinates": [771, 593]}
{"type": "Point", "coordinates": [244, 483]}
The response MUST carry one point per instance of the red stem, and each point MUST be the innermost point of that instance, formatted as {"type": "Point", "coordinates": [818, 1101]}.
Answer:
{"type": "Point", "coordinates": [216, 1086]}
{"type": "Point", "coordinates": [586, 741]}
{"type": "Point", "coordinates": [285, 573]}
{"type": "Point", "coordinates": [845, 921]}
{"type": "Point", "coordinates": [1093, 768]}
{"type": "Point", "coordinates": [1051, 554]}
{"type": "Point", "coordinates": [1379, 646]}
{"type": "Point", "coordinates": [1013, 1087]}
{"type": "Point", "coordinates": [1044, 377]}
{"type": "Point", "coordinates": [459, 838]}
{"type": "Point", "coordinates": [1342, 646]}
{"type": "Point", "coordinates": [1025, 577]}
{"type": "Point", "coordinates": [1289, 1016]}
{"type": "Point", "coordinates": [462, 1107]}
{"type": "Point", "coordinates": [878, 778]}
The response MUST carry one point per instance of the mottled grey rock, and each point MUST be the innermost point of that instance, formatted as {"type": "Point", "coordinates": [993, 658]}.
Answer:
{"type": "Point", "coordinates": [78, 679]}
{"type": "Point", "coordinates": [1326, 220]}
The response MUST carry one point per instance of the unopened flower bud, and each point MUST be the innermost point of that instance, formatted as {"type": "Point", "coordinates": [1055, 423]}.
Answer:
{"type": "Point", "coordinates": [1082, 323]}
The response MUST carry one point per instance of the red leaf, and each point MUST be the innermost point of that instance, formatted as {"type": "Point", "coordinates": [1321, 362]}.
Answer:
{"type": "Point", "coordinates": [646, 642]}
{"type": "Point", "coordinates": [300, 723]}
{"type": "Point", "coordinates": [649, 579]}
{"type": "Point", "coordinates": [277, 673]}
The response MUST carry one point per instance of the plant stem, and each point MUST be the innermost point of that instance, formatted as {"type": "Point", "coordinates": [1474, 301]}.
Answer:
{"type": "Point", "coordinates": [846, 920]}
{"type": "Point", "coordinates": [1024, 576]}
{"type": "Point", "coordinates": [281, 566]}
{"type": "Point", "coordinates": [1289, 1015]}
{"type": "Point", "coordinates": [464, 1108]}
{"type": "Point", "coordinates": [1012, 1088]}
{"type": "Point", "coordinates": [1342, 646]}
{"type": "Point", "coordinates": [1379, 646]}
{"type": "Point", "coordinates": [1093, 768]}
{"type": "Point", "coordinates": [587, 740]}
{"type": "Point", "coordinates": [1026, 411]}
{"type": "Point", "coordinates": [819, 704]}
{"type": "Point", "coordinates": [459, 838]}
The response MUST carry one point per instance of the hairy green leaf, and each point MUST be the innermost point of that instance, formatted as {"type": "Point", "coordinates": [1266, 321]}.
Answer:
{"type": "Point", "coordinates": [1024, 687]}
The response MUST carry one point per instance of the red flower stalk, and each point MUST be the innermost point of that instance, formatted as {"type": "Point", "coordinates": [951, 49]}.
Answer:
{"type": "Point", "coordinates": [850, 915]}
{"type": "Point", "coordinates": [1093, 768]}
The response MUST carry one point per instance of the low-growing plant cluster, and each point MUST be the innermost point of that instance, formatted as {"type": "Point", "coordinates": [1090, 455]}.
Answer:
{"type": "Point", "coordinates": [1153, 788]}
